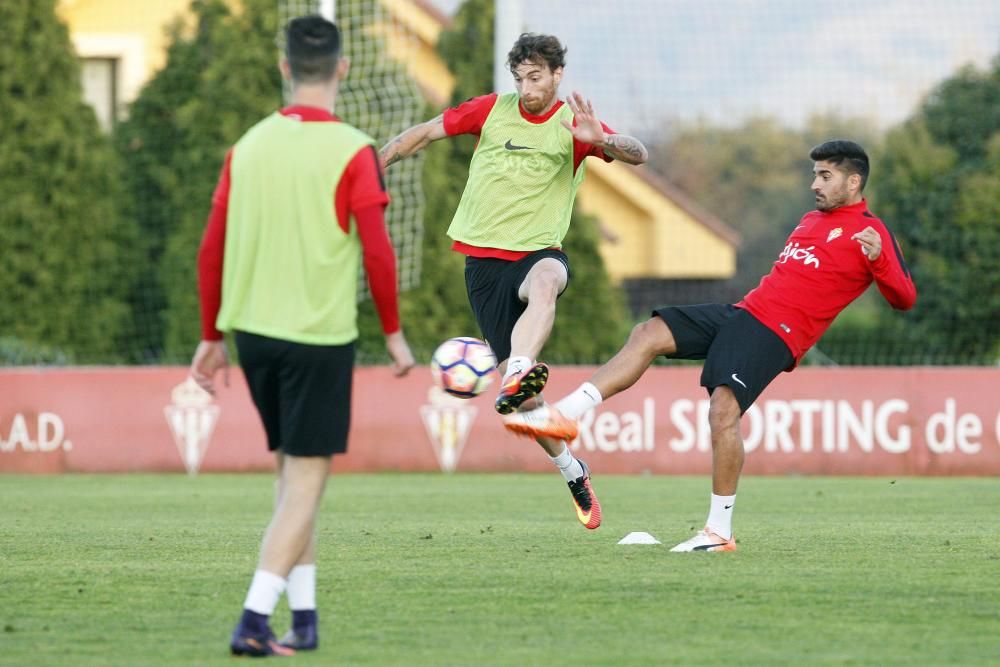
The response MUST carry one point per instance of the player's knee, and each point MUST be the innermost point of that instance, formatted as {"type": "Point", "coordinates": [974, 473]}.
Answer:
{"type": "Point", "coordinates": [304, 475]}
{"type": "Point", "coordinates": [652, 337]}
{"type": "Point", "coordinates": [723, 410]}
{"type": "Point", "coordinates": [546, 284]}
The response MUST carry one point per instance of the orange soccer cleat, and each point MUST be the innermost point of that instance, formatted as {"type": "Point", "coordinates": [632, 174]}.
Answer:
{"type": "Point", "coordinates": [545, 422]}
{"type": "Point", "coordinates": [706, 540]}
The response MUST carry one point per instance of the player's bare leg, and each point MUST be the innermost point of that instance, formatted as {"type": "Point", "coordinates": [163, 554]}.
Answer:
{"type": "Point", "coordinates": [727, 442]}
{"type": "Point", "coordinates": [301, 480]}
{"type": "Point", "coordinates": [648, 340]}
{"type": "Point", "coordinates": [574, 471]}
{"type": "Point", "coordinates": [539, 289]}
{"type": "Point", "coordinates": [727, 464]}
{"type": "Point", "coordinates": [308, 555]}
{"type": "Point", "coordinates": [303, 635]}
{"type": "Point", "coordinates": [523, 378]}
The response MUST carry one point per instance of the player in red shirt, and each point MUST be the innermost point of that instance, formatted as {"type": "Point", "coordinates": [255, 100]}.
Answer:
{"type": "Point", "coordinates": [830, 259]}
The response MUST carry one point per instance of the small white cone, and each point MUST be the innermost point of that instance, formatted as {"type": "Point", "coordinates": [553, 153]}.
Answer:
{"type": "Point", "coordinates": [639, 538]}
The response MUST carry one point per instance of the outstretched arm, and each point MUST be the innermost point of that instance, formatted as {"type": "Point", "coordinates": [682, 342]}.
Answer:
{"type": "Point", "coordinates": [412, 140]}
{"type": "Point", "coordinates": [588, 130]}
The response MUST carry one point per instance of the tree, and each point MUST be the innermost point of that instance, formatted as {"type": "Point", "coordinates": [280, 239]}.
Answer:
{"type": "Point", "coordinates": [439, 308]}
{"type": "Point", "coordinates": [977, 222]}
{"type": "Point", "coordinates": [151, 142]}
{"type": "Point", "coordinates": [941, 168]}
{"type": "Point", "coordinates": [754, 176]}
{"type": "Point", "coordinates": [217, 82]}
{"type": "Point", "coordinates": [68, 254]}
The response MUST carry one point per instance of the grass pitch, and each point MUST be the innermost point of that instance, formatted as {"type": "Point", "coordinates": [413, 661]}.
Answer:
{"type": "Point", "coordinates": [495, 570]}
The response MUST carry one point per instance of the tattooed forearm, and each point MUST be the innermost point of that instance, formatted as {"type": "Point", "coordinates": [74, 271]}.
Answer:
{"type": "Point", "coordinates": [625, 148]}
{"type": "Point", "coordinates": [390, 152]}
{"type": "Point", "coordinates": [412, 140]}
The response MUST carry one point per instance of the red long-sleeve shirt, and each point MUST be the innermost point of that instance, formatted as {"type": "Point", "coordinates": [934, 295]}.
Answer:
{"type": "Point", "coordinates": [821, 270]}
{"type": "Point", "coordinates": [360, 194]}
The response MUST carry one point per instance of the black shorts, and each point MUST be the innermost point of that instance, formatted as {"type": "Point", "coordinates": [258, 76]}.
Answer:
{"type": "Point", "coordinates": [492, 286]}
{"type": "Point", "coordinates": [302, 392]}
{"type": "Point", "coordinates": [739, 351]}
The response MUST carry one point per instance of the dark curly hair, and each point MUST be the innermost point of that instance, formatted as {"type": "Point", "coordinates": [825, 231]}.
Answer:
{"type": "Point", "coordinates": [533, 48]}
{"type": "Point", "coordinates": [847, 155]}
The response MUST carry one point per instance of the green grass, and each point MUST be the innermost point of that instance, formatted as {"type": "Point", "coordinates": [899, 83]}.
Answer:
{"type": "Point", "coordinates": [494, 570]}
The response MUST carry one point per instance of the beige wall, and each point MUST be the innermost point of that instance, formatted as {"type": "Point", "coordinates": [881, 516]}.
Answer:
{"type": "Point", "coordinates": [133, 31]}
{"type": "Point", "coordinates": [411, 38]}
{"type": "Point", "coordinates": [654, 237]}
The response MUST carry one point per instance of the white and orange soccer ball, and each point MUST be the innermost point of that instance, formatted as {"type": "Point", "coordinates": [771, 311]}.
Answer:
{"type": "Point", "coordinates": [463, 367]}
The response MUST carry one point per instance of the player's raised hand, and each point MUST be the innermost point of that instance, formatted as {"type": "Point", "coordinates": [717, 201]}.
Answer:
{"type": "Point", "coordinates": [209, 358]}
{"type": "Point", "coordinates": [588, 126]}
{"type": "Point", "coordinates": [399, 351]}
{"type": "Point", "coordinates": [871, 243]}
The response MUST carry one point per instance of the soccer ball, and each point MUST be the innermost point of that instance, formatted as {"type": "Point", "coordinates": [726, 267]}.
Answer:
{"type": "Point", "coordinates": [463, 367]}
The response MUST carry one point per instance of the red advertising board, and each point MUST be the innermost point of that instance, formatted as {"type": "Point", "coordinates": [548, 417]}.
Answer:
{"type": "Point", "coordinates": [853, 421]}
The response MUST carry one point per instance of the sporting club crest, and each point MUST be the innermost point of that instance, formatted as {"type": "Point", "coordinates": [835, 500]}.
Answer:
{"type": "Point", "coordinates": [448, 421]}
{"type": "Point", "coordinates": [192, 417]}
{"type": "Point", "coordinates": [834, 233]}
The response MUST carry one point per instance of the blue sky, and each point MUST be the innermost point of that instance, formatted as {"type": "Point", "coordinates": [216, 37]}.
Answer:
{"type": "Point", "coordinates": [644, 61]}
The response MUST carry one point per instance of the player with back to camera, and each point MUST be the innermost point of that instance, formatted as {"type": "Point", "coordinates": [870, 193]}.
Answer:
{"type": "Point", "coordinates": [298, 206]}
{"type": "Point", "coordinates": [513, 215]}
{"type": "Point", "coordinates": [831, 258]}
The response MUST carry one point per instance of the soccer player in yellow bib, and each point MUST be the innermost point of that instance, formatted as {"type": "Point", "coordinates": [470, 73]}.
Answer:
{"type": "Point", "coordinates": [514, 214]}
{"type": "Point", "coordinates": [298, 207]}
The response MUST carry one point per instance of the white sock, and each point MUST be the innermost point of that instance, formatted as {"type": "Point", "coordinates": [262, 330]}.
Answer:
{"type": "Point", "coordinates": [586, 397]}
{"type": "Point", "coordinates": [265, 591]}
{"type": "Point", "coordinates": [720, 516]}
{"type": "Point", "coordinates": [568, 465]}
{"type": "Point", "coordinates": [302, 587]}
{"type": "Point", "coordinates": [517, 365]}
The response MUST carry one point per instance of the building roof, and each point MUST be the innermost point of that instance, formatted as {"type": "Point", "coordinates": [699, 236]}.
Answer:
{"type": "Point", "coordinates": [688, 204]}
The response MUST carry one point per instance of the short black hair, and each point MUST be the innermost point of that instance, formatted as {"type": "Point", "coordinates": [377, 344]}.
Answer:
{"type": "Point", "coordinates": [534, 48]}
{"type": "Point", "coordinates": [848, 155]}
{"type": "Point", "coordinates": [312, 46]}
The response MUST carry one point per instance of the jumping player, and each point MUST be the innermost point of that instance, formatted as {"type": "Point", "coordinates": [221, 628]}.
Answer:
{"type": "Point", "coordinates": [514, 214]}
